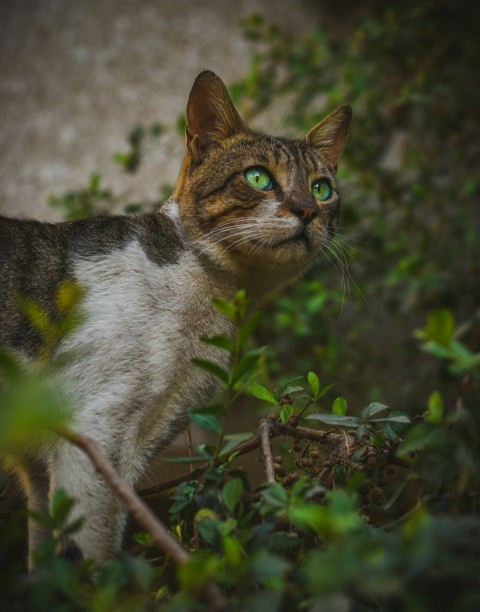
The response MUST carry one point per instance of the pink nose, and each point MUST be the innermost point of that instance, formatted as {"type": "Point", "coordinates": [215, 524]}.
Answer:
{"type": "Point", "coordinates": [306, 211]}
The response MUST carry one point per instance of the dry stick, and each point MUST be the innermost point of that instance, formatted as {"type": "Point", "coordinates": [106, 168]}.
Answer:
{"type": "Point", "coordinates": [240, 449]}
{"type": "Point", "coordinates": [276, 429]}
{"type": "Point", "coordinates": [265, 431]}
{"type": "Point", "coordinates": [137, 508]}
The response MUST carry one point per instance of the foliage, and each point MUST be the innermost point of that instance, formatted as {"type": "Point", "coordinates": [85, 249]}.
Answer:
{"type": "Point", "coordinates": [93, 200]}
{"type": "Point", "coordinates": [131, 159]}
{"type": "Point", "coordinates": [410, 222]}
{"type": "Point", "coordinates": [339, 526]}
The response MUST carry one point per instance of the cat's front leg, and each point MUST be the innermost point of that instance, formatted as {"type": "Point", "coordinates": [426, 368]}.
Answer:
{"type": "Point", "coordinates": [103, 516]}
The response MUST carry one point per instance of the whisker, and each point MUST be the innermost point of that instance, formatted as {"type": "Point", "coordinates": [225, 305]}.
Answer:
{"type": "Point", "coordinates": [340, 252]}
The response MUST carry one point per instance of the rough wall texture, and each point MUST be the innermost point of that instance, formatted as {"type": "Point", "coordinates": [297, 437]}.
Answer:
{"type": "Point", "coordinates": [75, 77]}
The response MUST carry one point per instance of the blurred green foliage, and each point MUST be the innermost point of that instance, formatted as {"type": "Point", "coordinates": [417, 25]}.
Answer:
{"type": "Point", "coordinates": [408, 237]}
{"type": "Point", "coordinates": [330, 532]}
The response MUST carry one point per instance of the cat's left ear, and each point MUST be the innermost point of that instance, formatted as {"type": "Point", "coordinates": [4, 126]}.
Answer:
{"type": "Point", "coordinates": [330, 134]}
{"type": "Point", "coordinates": [211, 115]}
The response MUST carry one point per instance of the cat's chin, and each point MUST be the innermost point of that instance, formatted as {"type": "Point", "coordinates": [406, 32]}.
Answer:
{"type": "Point", "coordinates": [296, 248]}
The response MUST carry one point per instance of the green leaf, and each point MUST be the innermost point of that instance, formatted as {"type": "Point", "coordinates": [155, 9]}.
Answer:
{"type": "Point", "coordinates": [266, 567]}
{"type": "Point", "coordinates": [233, 440]}
{"type": "Point", "coordinates": [212, 409]}
{"type": "Point", "coordinates": [239, 437]}
{"type": "Point", "coordinates": [339, 406]}
{"type": "Point", "coordinates": [61, 506]}
{"type": "Point", "coordinates": [280, 541]}
{"type": "Point", "coordinates": [9, 364]}
{"type": "Point", "coordinates": [233, 550]}
{"type": "Point", "coordinates": [226, 527]}
{"type": "Point", "coordinates": [372, 409]}
{"type": "Point", "coordinates": [31, 408]}
{"type": "Point", "coordinates": [262, 393]}
{"type": "Point", "coordinates": [192, 459]}
{"type": "Point", "coordinates": [231, 493]}
{"type": "Point", "coordinates": [291, 389]}
{"type": "Point", "coordinates": [275, 496]}
{"type": "Point", "coordinates": [286, 412]}
{"type": "Point", "coordinates": [440, 327]}
{"type": "Point", "coordinates": [336, 420]}
{"type": "Point", "coordinates": [207, 450]}
{"type": "Point", "coordinates": [206, 421]}
{"type": "Point", "coordinates": [393, 418]}
{"type": "Point", "coordinates": [213, 368]}
{"type": "Point", "coordinates": [246, 363]}
{"type": "Point", "coordinates": [226, 308]}
{"type": "Point", "coordinates": [200, 568]}
{"type": "Point", "coordinates": [247, 328]}
{"type": "Point", "coordinates": [208, 529]}
{"type": "Point", "coordinates": [314, 384]}
{"type": "Point", "coordinates": [324, 390]}
{"type": "Point", "coordinates": [142, 537]}
{"type": "Point", "coordinates": [435, 408]}
{"type": "Point", "coordinates": [222, 342]}
{"type": "Point", "coordinates": [420, 436]}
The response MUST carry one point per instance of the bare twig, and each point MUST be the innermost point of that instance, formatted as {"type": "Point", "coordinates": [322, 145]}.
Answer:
{"type": "Point", "coordinates": [276, 429]}
{"type": "Point", "coordinates": [265, 432]}
{"type": "Point", "coordinates": [303, 433]}
{"type": "Point", "coordinates": [137, 508]}
{"type": "Point", "coordinates": [140, 511]}
{"type": "Point", "coordinates": [240, 449]}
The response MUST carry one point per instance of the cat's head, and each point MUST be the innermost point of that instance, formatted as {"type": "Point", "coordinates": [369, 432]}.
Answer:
{"type": "Point", "coordinates": [248, 199]}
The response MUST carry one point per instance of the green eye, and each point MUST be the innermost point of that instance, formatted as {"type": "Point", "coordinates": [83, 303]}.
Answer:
{"type": "Point", "coordinates": [321, 190]}
{"type": "Point", "coordinates": [259, 178]}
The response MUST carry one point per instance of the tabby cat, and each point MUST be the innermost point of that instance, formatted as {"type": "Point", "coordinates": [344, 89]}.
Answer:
{"type": "Point", "coordinates": [249, 211]}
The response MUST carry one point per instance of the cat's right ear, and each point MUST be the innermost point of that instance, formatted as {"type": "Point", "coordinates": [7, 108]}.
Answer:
{"type": "Point", "coordinates": [211, 116]}
{"type": "Point", "coordinates": [330, 134]}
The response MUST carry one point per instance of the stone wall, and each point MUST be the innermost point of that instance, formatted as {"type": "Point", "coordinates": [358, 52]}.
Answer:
{"type": "Point", "coordinates": [76, 77]}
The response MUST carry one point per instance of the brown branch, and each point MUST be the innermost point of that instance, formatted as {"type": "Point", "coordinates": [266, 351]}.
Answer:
{"type": "Point", "coordinates": [276, 429]}
{"type": "Point", "coordinates": [139, 510]}
{"type": "Point", "coordinates": [303, 433]}
{"type": "Point", "coordinates": [265, 432]}
{"type": "Point", "coordinates": [240, 449]}
{"type": "Point", "coordinates": [136, 506]}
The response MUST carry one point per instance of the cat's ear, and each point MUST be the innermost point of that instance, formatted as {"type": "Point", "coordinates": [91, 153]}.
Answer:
{"type": "Point", "coordinates": [211, 116]}
{"type": "Point", "coordinates": [331, 133]}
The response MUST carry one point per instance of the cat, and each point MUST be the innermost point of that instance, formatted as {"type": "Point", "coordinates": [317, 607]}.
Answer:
{"type": "Point", "coordinates": [249, 211]}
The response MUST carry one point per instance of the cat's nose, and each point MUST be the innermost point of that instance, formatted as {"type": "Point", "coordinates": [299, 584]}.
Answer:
{"type": "Point", "coordinates": [305, 210]}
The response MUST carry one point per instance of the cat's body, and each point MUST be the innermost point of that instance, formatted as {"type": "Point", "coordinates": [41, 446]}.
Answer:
{"type": "Point", "coordinates": [242, 216]}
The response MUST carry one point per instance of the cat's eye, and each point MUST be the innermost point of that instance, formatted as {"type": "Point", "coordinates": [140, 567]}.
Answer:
{"type": "Point", "coordinates": [259, 178]}
{"type": "Point", "coordinates": [321, 190]}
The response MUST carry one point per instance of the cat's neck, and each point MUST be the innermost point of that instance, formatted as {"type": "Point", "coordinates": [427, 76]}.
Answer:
{"type": "Point", "coordinates": [259, 280]}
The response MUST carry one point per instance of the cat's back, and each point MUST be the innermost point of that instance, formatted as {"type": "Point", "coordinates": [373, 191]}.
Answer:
{"type": "Point", "coordinates": [36, 258]}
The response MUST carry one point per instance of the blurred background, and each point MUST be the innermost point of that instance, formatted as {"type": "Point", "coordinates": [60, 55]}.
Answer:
{"type": "Point", "coordinates": [76, 77]}
{"type": "Point", "coordinates": [91, 106]}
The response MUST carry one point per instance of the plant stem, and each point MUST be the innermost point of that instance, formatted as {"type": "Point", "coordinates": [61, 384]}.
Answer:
{"type": "Point", "coordinates": [265, 432]}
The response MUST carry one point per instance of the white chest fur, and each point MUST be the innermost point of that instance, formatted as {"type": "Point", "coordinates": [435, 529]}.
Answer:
{"type": "Point", "coordinates": [131, 378]}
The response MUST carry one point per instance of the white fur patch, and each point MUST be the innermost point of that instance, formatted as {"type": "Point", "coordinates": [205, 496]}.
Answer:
{"type": "Point", "coordinates": [132, 379]}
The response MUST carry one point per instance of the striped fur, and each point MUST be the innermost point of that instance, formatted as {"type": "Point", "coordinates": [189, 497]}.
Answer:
{"type": "Point", "coordinates": [149, 283]}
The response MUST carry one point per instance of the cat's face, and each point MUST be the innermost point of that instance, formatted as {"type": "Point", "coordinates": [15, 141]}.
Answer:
{"type": "Point", "coordinates": [249, 199]}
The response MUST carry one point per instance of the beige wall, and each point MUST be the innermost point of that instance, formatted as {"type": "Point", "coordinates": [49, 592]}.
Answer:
{"type": "Point", "coordinates": [76, 76]}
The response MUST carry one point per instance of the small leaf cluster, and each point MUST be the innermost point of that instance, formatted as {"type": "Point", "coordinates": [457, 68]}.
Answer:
{"type": "Point", "coordinates": [91, 200]}
{"type": "Point", "coordinates": [332, 526]}
{"type": "Point", "coordinates": [131, 159]}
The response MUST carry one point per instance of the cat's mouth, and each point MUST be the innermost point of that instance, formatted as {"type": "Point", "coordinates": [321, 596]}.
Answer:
{"type": "Point", "coordinates": [299, 237]}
